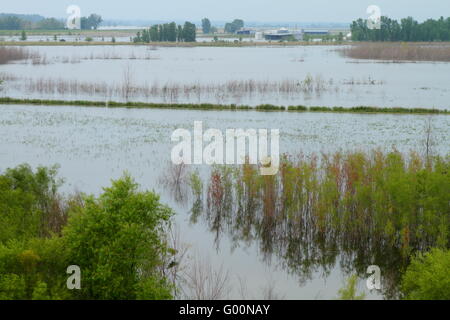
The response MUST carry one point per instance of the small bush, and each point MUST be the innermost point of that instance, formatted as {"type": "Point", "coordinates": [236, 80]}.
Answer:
{"type": "Point", "coordinates": [427, 277]}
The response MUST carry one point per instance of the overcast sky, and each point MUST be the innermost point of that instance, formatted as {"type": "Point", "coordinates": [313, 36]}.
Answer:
{"type": "Point", "coordinates": [250, 10]}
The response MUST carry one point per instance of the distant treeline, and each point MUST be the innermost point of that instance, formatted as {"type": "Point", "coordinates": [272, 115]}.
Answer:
{"type": "Point", "coordinates": [16, 23]}
{"type": "Point", "coordinates": [407, 29]}
{"type": "Point", "coordinates": [167, 32]}
{"type": "Point", "coordinates": [35, 22]}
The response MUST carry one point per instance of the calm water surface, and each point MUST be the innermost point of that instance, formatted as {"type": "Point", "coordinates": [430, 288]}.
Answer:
{"type": "Point", "coordinates": [347, 81]}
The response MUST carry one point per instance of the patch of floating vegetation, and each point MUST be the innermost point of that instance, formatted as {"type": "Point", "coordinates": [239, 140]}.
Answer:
{"type": "Point", "coordinates": [210, 106]}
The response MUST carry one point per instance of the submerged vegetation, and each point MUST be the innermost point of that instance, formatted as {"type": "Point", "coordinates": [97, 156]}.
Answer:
{"type": "Point", "coordinates": [173, 92]}
{"type": "Point", "coordinates": [210, 106]}
{"type": "Point", "coordinates": [8, 54]}
{"type": "Point", "coordinates": [356, 209]}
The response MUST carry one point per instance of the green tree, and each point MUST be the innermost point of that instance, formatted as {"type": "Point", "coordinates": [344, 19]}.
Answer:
{"type": "Point", "coordinates": [234, 26]}
{"type": "Point", "coordinates": [206, 26]}
{"type": "Point", "coordinates": [91, 23]}
{"type": "Point", "coordinates": [189, 32]}
{"type": "Point", "coordinates": [172, 32]}
{"type": "Point", "coordinates": [27, 203]}
{"type": "Point", "coordinates": [407, 29]}
{"type": "Point", "coordinates": [117, 240]}
{"type": "Point", "coordinates": [11, 23]}
{"type": "Point", "coordinates": [23, 36]}
{"type": "Point", "coordinates": [50, 24]}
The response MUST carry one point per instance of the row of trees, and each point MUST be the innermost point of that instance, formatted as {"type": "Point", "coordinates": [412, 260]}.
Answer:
{"type": "Point", "coordinates": [230, 27]}
{"type": "Point", "coordinates": [168, 32]}
{"type": "Point", "coordinates": [236, 25]}
{"type": "Point", "coordinates": [91, 23]}
{"type": "Point", "coordinates": [14, 22]}
{"type": "Point", "coordinates": [407, 29]}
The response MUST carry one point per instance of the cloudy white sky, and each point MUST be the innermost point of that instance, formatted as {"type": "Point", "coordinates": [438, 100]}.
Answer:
{"type": "Point", "coordinates": [250, 10]}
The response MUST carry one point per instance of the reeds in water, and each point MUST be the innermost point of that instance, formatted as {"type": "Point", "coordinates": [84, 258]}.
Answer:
{"type": "Point", "coordinates": [173, 91]}
{"type": "Point", "coordinates": [398, 52]}
{"type": "Point", "coordinates": [8, 54]}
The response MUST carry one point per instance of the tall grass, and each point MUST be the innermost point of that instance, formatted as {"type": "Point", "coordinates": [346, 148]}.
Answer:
{"type": "Point", "coordinates": [173, 91]}
{"type": "Point", "coordinates": [398, 52]}
{"type": "Point", "coordinates": [8, 54]}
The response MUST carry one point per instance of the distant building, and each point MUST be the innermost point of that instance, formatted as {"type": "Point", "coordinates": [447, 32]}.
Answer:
{"type": "Point", "coordinates": [245, 32]}
{"type": "Point", "coordinates": [283, 34]}
{"type": "Point", "coordinates": [316, 32]}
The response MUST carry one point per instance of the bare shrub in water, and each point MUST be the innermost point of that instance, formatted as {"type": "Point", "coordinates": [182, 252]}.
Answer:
{"type": "Point", "coordinates": [127, 82]}
{"type": "Point", "coordinates": [172, 91]}
{"type": "Point", "coordinates": [176, 179]}
{"type": "Point", "coordinates": [204, 282]}
{"type": "Point", "coordinates": [8, 54]}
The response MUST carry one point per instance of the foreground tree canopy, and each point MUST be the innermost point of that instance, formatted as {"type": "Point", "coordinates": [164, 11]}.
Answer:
{"type": "Point", "coordinates": [116, 239]}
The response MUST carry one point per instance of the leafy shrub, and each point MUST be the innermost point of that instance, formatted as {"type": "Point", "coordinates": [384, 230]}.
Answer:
{"type": "Point", "coordinates": [427, 277]}
{"type": "Point", "coordinates": [117, 240]}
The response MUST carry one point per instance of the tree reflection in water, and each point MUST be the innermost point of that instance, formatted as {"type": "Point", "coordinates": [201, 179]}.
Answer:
{"type": "Point", "coordinates": [356, 209]}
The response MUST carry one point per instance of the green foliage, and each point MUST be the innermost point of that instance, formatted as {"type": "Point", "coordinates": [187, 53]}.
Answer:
{"type": "Point", "coordinates": [362, 208]}
{"type": "Point", "coordinates": [40, 291]}
{"type": "Point", "coordinates": [407, 30]}
{"type": "Point", "coordinates": [211, 106]}
{"type": "Point", "coordinates": [18, 22]}
{"type": "Point", "coordinates": [349, 291]}
{"type": "Point", "coordinates": [91, 23]}
{"type": "Point", "coordinates": [23, 36]}
{"type": "Point", "coordinates": [234, 26]}
{"type": "Point", "coordinates": [206, 26]}
{"type": "Point", "coordinates": [189, 32]}
{"type": "Point", "coordinates": [117, 239]}
{"type": "Point", "coordinates": [168, 32]}
{"type": "Point", "coordinates": [27, 202]}
{"type": "Point", "coordinates": [427, 277]}
{"type": "Point", "coordinates": [12, 287]}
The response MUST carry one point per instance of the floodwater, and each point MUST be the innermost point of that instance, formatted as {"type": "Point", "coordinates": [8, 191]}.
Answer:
{"type": "Point", "coordinates": [94, 145]}
{"type": "Point", "coordinates": [207, 72]}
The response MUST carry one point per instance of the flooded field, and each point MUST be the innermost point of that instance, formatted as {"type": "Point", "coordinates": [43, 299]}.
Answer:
{"type": "Point", "coordinates": [94, 145]}
{"type": "Point", "coordinates": [307, 75]}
